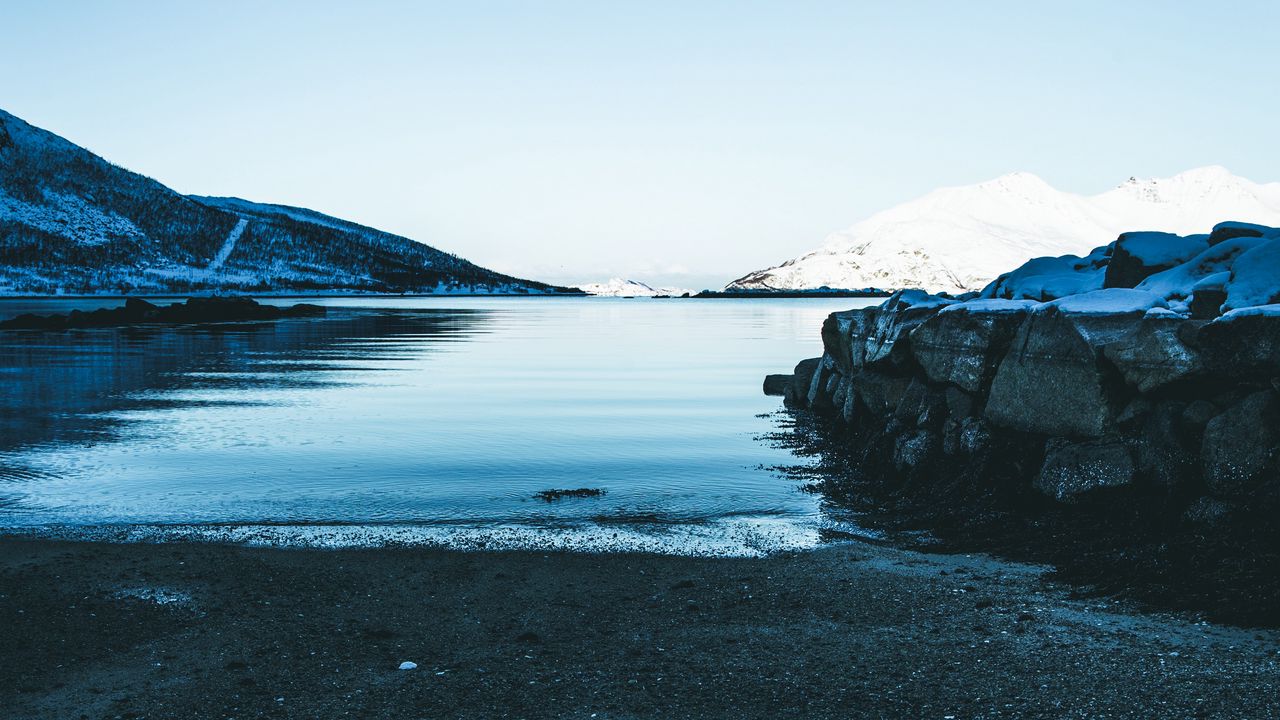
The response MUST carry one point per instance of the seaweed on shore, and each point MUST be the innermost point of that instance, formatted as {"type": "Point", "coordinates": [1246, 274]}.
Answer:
{"type": "Point", "coordinates": [1114, 545]}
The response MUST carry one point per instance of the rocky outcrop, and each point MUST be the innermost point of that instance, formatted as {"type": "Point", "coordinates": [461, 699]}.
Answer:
{"type": "Point", "coordinates": [1082, 399]}
{"type": "Point", "coordinates": [136, 312]}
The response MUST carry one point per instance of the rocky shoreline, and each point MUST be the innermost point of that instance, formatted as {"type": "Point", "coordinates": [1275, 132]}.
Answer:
{"type": "Point", "coordinates": [195, 630]}
{"type": "Point", "coordinates": [1128, 397]}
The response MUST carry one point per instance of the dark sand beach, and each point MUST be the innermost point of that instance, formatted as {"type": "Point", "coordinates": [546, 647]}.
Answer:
{"type": "Point", "coordinates": [96, 630]}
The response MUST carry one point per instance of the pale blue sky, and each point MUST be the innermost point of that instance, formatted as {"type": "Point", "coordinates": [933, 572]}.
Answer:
{"type": "Point", "coordinates": [685, 142]}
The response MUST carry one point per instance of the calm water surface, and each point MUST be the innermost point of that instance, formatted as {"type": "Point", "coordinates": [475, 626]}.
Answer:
{"type": "Point", "coordinates": [432, 420]}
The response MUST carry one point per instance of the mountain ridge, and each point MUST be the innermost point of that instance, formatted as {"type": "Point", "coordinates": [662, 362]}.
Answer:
{"type": "Point", "coordinates": [72, 222]}
{"type": "Point", "coordinates": [957, 239]}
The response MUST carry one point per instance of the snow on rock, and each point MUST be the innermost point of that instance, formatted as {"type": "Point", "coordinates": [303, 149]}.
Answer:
{"type": "Point", "coordinates": [960, 238]}
{"type": "Point", "coordinates": [1232, 229]}
{"type": "Point", "coordinates": [1180, 281]}
{"type": "Point", "coordinates": [1160, 248]}
{"type": "Point", "coordinates": [998, 305]}
{"type": "Point", "coordinates": [1111, 301]}
{"type": "Point", "coordinates": [1256, 310]}
{"type": "Point", "coordinates": [1255, 277]}
{"type": "Point", "coordinates": [1049, 278]}
{"type": "Point", "coordinates": [916, 299]}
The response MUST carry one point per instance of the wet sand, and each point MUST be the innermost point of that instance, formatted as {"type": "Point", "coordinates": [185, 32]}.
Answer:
{"type": "Point", "coordinates": [99, 630]}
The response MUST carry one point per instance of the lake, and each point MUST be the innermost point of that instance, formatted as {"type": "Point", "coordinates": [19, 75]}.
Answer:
{"type": "Point", "coordinates": [417, 420]}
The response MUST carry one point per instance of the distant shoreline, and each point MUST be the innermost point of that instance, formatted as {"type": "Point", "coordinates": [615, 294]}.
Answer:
{"type": "Point", "coordinates": [703, 295]}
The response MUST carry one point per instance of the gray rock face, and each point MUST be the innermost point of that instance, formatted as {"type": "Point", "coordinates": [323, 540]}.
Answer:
{"type": "Point", "coordinates": [880, 393]}
{"type": "Point", "coordinates": [876, 337]}
{"type": "Point", "coordinates": [1242, 445]}
{"type": "Point", "coordinates": [837, 331]}
{"type": "Point", "coordinates": [1156, 353]}
{"type": "Point", "coordinates": [1052, 381]}
{"type": "Point", "coordinates": [822, 386]}
{"type": "Point", "coordinates": [1072, 398]}
{"type": "Point", "coordinates": [1073, 469]}
{"type": "Point", "coordinates": [1164, 454]}
{"type": "Point", "coordinates": [964, 348]}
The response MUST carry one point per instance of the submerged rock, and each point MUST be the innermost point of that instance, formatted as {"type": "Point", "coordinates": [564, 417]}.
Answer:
{"type": "Point", "coordinates": [777, 384]}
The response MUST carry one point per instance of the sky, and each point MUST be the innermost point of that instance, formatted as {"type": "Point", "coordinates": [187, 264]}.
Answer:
{"type": "Point", "coordinates": [679, 143]}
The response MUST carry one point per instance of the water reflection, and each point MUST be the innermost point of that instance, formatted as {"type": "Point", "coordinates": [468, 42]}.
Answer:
{"type": "Point", "coordinates": [426, 418]}
{"type": "Point", "coordinates": [79, 387]}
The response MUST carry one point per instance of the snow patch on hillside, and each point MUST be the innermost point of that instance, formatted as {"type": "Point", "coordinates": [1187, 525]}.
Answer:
{"type": "Point", "coordinates": [70, 217]}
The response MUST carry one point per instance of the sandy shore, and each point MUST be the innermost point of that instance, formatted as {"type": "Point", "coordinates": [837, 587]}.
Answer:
{"type": "Point", "coordinates": [851, 630]}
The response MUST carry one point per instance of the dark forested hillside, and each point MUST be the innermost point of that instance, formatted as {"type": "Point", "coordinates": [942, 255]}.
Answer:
{"type": "Point", "coordinates": [71, 222]}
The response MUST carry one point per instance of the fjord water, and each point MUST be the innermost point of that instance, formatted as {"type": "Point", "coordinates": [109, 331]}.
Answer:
{"type": "Point", "coordinates": [416, 420]}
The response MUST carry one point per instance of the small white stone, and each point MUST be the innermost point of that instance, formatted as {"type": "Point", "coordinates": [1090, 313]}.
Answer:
{"type": "Point", "coordinates": [406, 665]}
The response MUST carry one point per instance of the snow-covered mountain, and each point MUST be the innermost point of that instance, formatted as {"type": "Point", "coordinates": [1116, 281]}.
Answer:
{"type": "Point", "coordinates": [619, 287]}
{"type": "Point", "coordinates": [71, 222]}
{"type": "Point", "coordinates": [960, 238]}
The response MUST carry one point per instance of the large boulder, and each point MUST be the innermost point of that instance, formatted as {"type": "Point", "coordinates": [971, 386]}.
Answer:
{"type": "Point", "coordinates": [1156, 352]}
{"type": "Point", "coordinates": [1052, 381]}
{"type": "Point", "coordinates": [1073, 469]}
{"type": "Point", "coordinates": [964, 343]}
{"type": "Point", "coordinates": [1242, 344]}
{"type": "Point", "coordinates": [1135, 256]}
{"type": "Point", "coordinates": [1241, 446]}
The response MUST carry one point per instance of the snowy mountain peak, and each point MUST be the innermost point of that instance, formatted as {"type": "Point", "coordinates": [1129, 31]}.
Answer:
{"type": "Point", "coordinates": [620, 287]}
{"type": "Point", "coordinates": [1017, 181]}
{"type": "Point", "coordinates": [957, 239]}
